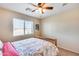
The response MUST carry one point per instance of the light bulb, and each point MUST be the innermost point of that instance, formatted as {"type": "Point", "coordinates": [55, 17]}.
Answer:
{"type": "Point", "coordinates": [40, 9]}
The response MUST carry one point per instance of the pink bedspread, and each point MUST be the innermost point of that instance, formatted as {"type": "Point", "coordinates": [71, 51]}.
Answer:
{"type": "Point", "coordinates": [9, 50]}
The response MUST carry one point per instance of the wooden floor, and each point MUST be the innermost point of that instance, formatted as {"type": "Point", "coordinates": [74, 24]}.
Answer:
{"type": "Point", "coordinates": [63, 52]}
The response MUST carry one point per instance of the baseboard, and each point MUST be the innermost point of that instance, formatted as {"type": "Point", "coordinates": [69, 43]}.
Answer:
{"type": "Point", "coordinates": [68, 50]}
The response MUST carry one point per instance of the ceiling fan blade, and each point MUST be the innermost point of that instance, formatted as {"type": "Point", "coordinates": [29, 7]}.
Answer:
{"type": "Point", "coordinates": [42, 4]}
{"type": "Point", "coordinates": [33, 10]}
{"type": "Point", "coordinates": [34, 5]}
{"type": "Point", "coordinates": [42, 11]}
{"type": "Point", "coordinates": [48, 8]}
{"type": "Point", "coordinates": [39, 4]}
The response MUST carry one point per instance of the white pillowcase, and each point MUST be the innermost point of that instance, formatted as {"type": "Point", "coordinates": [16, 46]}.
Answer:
{"type": "Point", "coordinates": [1, 44]}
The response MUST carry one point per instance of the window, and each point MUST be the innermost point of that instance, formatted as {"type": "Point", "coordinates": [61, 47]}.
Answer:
{"type": "Point", "coordinates": [28, 27]}
{"type": "Point", "coordinates": [21, 27]}
{"type": "Point", "coordinates": [18, 27]}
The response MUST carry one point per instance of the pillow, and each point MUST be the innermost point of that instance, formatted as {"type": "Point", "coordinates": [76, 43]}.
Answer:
{"type": "Point", "coordinates": [1, 44]}
{"type": "Point", "coordinates": [9, 50]}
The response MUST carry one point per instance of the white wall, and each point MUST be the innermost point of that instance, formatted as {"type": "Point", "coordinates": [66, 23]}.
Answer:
{"type": "Point", "coordinates": [65, 27]}
{"type": "Point", "coordinates": [6, 17]}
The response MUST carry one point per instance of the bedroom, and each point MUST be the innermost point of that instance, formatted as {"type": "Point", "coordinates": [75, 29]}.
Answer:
{"type": "Point", "coordinates": [59, 24]}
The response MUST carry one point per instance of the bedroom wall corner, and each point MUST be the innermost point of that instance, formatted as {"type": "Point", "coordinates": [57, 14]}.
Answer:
{"type": "Point", "coordinates": [6, 17]}
{"type": "Point", "coordinates": [65, 27]}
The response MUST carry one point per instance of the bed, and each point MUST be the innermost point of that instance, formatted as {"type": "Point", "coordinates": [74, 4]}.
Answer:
{"type": "Point", "coordinates": [35, 47]}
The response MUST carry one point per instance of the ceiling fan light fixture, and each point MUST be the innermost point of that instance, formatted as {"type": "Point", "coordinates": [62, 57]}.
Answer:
{"type": "Point", "coordinates": [40, 10]}
{"type": "Point", "coordinates": [42, 7]}
{"type": "Point", "coordinates": [44, 10]}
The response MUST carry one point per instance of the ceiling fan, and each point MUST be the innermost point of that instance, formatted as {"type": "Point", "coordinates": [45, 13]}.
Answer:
{"type": "Point", "coordinates": [41, 7]}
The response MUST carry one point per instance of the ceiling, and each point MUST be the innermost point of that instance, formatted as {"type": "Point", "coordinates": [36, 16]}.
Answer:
{"type": "Point", "coordinates": [20, 7]}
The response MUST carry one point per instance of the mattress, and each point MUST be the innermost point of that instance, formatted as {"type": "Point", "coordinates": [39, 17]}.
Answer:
{"type": "Point", "coordinates": [35, 47]}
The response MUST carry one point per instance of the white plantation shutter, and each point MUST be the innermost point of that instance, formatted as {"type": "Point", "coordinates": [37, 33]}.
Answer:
{"type": "Point", "coordinates": [21, 27]}
{"type": "Point", "coordinates": [28, 27]}
{"type": "Point", "coordinates": [18, 27]}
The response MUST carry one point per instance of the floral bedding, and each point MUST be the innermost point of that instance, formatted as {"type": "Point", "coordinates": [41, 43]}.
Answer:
{"type": "Point", "coordinates": [35, 47]}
